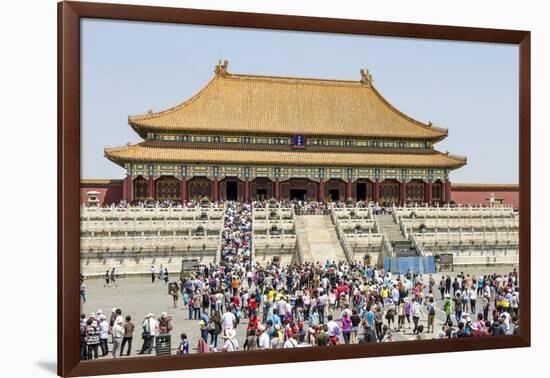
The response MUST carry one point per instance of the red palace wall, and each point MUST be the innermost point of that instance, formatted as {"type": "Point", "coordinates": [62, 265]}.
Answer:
{"type": "Point", "coordinates": [110, 191]}
{"type": "Point", "coordinates": [473, 194]}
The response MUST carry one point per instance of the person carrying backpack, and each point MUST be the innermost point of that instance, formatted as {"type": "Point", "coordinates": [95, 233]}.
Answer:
{"type": "Point", "coordinates": [431, 314]}
{"type": "Point", "coordinates": [447, 308]}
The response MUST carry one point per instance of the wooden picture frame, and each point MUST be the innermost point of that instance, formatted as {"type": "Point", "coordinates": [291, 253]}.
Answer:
{"type": "Point", "coordinates": [69, 17]}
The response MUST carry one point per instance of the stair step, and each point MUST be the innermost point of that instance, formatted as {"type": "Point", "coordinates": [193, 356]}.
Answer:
{"type": "Point", "coordinates": [318, 237]}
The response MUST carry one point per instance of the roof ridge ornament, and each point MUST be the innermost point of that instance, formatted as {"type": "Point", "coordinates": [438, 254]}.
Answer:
{"type": "Point", "coordinates": [150, 112]}
{"type": "Point", "coordinates": [221, 68]}
{"type": "Point", "coordinates": [366, 77]}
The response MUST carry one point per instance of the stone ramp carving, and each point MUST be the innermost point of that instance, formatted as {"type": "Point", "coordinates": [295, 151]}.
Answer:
{"type": "Point", "coordinates": [317, 238]}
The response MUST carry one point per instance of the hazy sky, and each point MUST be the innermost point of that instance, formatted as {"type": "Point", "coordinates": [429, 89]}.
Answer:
{"type": "Point", "coordinates": [469, 88]}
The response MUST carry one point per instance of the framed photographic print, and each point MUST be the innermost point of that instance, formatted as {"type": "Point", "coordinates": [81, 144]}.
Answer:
{"type": "Point", "coordinates": [239, 188]}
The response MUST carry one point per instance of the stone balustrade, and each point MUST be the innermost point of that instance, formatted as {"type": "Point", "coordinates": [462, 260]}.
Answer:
{"type": "Point", "coordinates": [274, 229]}
{"type": "Point", "coordinates": [453, 212]}
{"type": "Point", "coordinates": [272, 213]}
{"type": "Point", "coordinates": [281, 224]}
{"type": "Point", "coordinates": [353, 224]}
{"type": "Point", "coordinates": [358, 228]}
{"type": "Point", "coordinates": [364, 240]}
{"type": "Point", "coordinates": [155, 213]}
{"type": "Point", "coordinates": [464, 223]}
{"type": "Point", "coordinates": [352, 212]}
{"type": "Point", "coordinates": [137, 244]}
{"type": "Point", "coordinates": [458, 239]}
{"type": "Point", "coordinates": [486, 258]}
{"type": "Point", "coordinates": [98, 226]}
{"type": "Point", "coordinates": [274, 241]}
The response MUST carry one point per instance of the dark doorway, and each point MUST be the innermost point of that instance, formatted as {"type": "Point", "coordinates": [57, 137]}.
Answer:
{"type": "Point", "coordinates": [334, 194]}
{"type": "Point", "coordinates": [261, 194]}
{"type": "Point", "coordinates": [232, 190]}
{"type": "Point", "coordinates": [298, 194]}
{"type": "Point", "coordinates": [361, 191]}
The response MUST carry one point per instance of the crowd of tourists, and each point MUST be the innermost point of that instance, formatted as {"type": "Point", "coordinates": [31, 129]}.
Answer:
{"type": "Point", "coordinates": [312, 305]}
{"type": "Point", "coordinates": [301, 206]}
{"type": "Point", "coordinates": [304, 305]}
{"type": "Point", "coordinates": [236, 236]}
{"type": "Point", "coordinates": [329, 304]}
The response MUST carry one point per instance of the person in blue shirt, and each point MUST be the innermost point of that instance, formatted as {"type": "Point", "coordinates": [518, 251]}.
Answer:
{"type": "Point", "coordinates": [369, 315]}
{"type": "Point", "coordinates": [274, 318]}
{"type": "Point", "coordinates": [370, 273]}
{"type": "Point", "coordinates": [204, 329]}
{"type": "Point", "coordinates": [480, 285]}
{"type": "Point", "coordinates": [184, 345]}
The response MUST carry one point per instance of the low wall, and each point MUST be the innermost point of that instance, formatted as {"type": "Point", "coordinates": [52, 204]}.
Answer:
{"type": "Point", "coordinates": [375, 252]}
{"type": "Point", "coordinates": [287, 255]}
{"type": "Point", "coordinates": [139, 263]}
{"type": "Point", "coordinates": [110, 191]}
{"type": "Point", "coordinates": [479, 194]}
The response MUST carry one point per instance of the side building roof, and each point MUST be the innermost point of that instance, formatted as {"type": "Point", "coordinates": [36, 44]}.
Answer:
{"type": "Point", "coordinates": [249, 104]}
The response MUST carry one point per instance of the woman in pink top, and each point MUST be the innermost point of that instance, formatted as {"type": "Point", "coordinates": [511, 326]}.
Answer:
{"type": "Point", "coordinates": [346, 326]}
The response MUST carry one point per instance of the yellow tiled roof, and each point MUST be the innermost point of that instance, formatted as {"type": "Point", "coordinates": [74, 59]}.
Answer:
{"type": "Point", "coordinates": [176, 153]}
{"type": "Point", "coordinates": [232, 103]}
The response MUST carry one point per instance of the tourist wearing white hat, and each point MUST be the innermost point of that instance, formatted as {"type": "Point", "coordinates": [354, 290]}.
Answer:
{"type": "Point", "coordinates": [231, 344]}
{"type": "Point", "coordinates": [150, 326]}
{"type": "Point", "coordinates": [118, 334]}
{"type": "Point", "coordinates": [103, 335]}
{"type": "Point", "coordinates": [263, 340]}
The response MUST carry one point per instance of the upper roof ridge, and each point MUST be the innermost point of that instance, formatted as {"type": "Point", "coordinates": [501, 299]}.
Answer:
{"type": "Point", "coordinates": [287, 105]}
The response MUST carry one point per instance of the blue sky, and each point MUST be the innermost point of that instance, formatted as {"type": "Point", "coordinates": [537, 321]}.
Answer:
{"type": "Point", "coordinates": [469, 88]}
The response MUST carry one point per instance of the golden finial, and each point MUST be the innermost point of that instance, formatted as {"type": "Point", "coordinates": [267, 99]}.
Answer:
{"type": "Point", "coordinates": [221, 68]}
{"type": "Point", "coordinates": [366, 77]}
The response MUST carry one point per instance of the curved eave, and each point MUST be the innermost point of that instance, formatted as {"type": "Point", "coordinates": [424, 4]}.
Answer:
{"type": "Point", "coordinates": [111, 155]}
{"type": "Point", "coordinates": [178, 155]}
{"type": "Point", "coordinates": [142, 131]}
{"type": "Point", "coordinates": [461, 162]}
{"type": "Point", "coordinates": [439, 132]}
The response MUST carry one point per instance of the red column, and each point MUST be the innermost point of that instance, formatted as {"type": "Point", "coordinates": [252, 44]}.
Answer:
{"type": "Point", "coordinates": [321, 191]}
{"type": "Point", "coordinates": [183, 189]}
{"type": "Point", "coordinates": [428, 192]}
{"type": "Point", "coordinates": [376, 190]}
{"type": "Point", "coordinates": [246, 190]}
{"type": "Point", "coordinates": [348, 188]}
{"type": "Point", "coordinates": [130, 188]}
{"type": "Point", "coordinates": [216, 189]}
{"type": "Point", "coordinates": [125, 183]}
{"type": "Point", "coordinates": [447, 198]}
{"type": "Point", "coordinates": [402, 192]}
{"type": "Point", "coordinates": [277, 189]}
{"type": "Point", "coordinates": [151, 192]}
